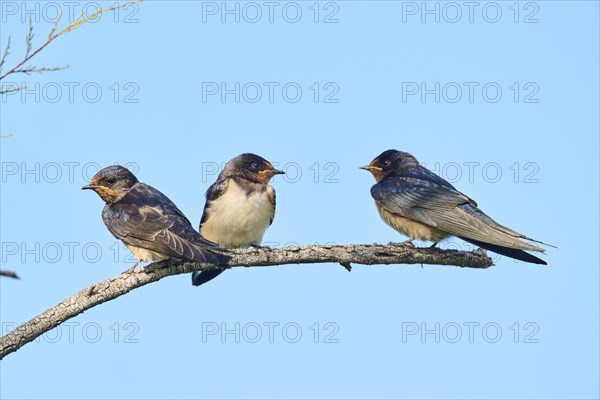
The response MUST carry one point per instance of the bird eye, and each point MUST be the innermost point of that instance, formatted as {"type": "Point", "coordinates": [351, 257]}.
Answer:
{"type": "Point", "coordinates": [386, 163]}
{"type": "Point", "coordinates": [255, 165]}
{"type": "Point", "coordinates": [111, 181]}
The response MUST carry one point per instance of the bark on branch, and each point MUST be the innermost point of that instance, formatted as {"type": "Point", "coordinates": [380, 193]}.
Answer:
{"type": "Point", "coordinates": [110, 289]}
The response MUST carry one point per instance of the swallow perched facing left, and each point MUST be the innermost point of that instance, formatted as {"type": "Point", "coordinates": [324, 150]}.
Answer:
{"type": "Point", "coordinates": [421, 205]}
{"type": "Point", "coordinates": [239, 207]}
{"type": "Point", "coordinates": [148, 222]}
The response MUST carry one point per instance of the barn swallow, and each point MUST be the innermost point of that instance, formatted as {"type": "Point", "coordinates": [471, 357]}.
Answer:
{"type": "Point", "coordinates": [239, 207]}
{"type": "Point", "coordinates": [148, 222]}
{"type": "Point", "coordinates": [421, 205]}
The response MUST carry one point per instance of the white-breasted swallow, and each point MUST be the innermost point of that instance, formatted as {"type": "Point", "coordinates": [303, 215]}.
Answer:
{"type": "Point", "coordinates": [239, 207]}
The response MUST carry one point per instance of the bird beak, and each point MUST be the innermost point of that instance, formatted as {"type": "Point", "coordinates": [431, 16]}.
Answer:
{"type": "Point", "coordinates": [277, 172]}
{"type": "Point", "coordinates": [370, 167]}
{"type": "Point", "coordinates": [89, 187]}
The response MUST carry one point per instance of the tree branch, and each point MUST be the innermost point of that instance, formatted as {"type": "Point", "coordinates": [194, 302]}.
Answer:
{"type": "Point", "coordinates": [110, 289]}
{"type": "Point", "coordinates": [10, 274]}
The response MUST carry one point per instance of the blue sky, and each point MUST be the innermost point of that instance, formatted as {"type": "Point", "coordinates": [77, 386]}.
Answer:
{"type": "Point", "coordinates": [501, 99]}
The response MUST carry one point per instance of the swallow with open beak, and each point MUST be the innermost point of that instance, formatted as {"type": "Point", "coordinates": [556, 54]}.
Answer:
{"type": "Point", "coordinates": [423, 206]}
{"type": "Point", "coordinates": [148, 222]}
{"type": "Point", "coordinates": [239, 207]}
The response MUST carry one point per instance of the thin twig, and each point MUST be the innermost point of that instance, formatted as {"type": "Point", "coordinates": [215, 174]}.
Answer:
{"type": "Point", "coordinates": [5, 54]}
{"type": "Point", "coordinates": [10, 274]}
{"type": "Point", "coordinates": [31, 69]}
{"type": "Point", "coordinates": [29, 38]}
{"type": "Point", "coordinates": [4, 90]}
{"type": "Point", "coordinates": [80, 20]}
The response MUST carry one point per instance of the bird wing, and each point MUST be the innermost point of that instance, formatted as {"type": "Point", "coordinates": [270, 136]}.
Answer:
{"type": "Point", "coordinates": [146, 218]}
{"type": "Point", "coordinates": [214, 192]}
{"type": "Point", "coordinates": [273, 199]}
{"type": "Point", "coordinates": [444, 208]}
